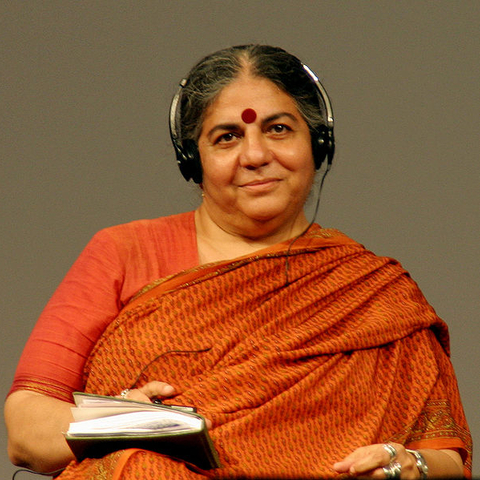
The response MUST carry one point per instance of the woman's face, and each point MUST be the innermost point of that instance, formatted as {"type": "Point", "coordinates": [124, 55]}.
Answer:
{"type": "Point", "coordinates": [256, 154]}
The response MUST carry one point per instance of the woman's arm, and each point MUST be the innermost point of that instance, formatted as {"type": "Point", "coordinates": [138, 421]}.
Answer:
{"type": "Point", "coordinates": [443, 463]}
{"type": "Point", "coordinates": [35, 425]}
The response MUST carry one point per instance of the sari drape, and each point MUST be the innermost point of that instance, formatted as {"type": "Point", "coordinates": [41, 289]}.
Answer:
{"type": "Point", "coordinates": [298, 354]}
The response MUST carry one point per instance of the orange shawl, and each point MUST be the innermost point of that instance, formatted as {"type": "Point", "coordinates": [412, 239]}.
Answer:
{"type": "Point", "coordinates": [294, 375]}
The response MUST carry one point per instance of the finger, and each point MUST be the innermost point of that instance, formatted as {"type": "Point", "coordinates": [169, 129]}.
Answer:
{"type": "Point", "coordinates": [350, 468]}
{"type": "Point", "coordinates": [377, 457]}
{"type": "Point", "coordinates": [377, 473]}
{"type": "Point", "coordinates": [343, 466]}
{"type": "Point", "coordinates": [365, 460]}
{"type": "Point", "coordinates": [137, 395]}
{"type": "Point", "coordinates": [346, 463]}
{"type": "Point", "coordinates": [157, 389]}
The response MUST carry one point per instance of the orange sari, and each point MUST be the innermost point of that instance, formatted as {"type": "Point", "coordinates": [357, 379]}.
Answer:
{"type": "Point", "coordinates": [294, 374]}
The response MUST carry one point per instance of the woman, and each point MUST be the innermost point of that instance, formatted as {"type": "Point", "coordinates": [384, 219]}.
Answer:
{"type": "Point", "coordinates": [309, 355]}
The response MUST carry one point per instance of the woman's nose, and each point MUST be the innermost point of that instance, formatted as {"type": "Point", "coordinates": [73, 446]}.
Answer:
{"type": "Point", "coordinates": [255, 152]}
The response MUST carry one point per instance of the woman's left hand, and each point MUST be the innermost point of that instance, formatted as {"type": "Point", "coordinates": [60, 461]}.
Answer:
{"type": "Point", "coordinates": [369, 462]}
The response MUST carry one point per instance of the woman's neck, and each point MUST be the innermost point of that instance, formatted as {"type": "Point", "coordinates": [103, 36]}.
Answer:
{"type": "Point", "coordinates": [218, 240]}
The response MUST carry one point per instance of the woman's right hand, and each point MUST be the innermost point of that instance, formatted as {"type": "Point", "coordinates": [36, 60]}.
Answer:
{"type": "Point", "coordinates": [149, 392]}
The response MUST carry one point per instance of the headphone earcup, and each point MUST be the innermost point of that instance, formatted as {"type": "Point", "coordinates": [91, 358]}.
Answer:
{"type": "Point", "coordinates": [189, 161]}
{"type": "Point", "coordinates": [320, 146]}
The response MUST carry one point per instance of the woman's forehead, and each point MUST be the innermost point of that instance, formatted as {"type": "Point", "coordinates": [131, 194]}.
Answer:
{"type": "Point", "coordinates": [247, 98]}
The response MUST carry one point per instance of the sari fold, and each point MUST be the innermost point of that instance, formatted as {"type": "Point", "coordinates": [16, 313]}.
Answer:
{"type": "Point", "coordinates": [298, 354]}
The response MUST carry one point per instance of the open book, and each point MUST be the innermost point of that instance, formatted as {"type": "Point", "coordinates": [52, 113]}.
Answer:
{"type": "Point", "coordinates": [105, 424]}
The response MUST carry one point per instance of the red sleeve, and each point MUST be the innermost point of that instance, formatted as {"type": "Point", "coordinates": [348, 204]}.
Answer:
{"type": "Point", "coordinates": [80, 309]}
{"type": "Point", "coordinates": [116, 263]}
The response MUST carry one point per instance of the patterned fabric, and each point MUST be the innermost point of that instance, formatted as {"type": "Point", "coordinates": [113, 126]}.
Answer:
{"type": "Point", "coordinates": [298, 356]}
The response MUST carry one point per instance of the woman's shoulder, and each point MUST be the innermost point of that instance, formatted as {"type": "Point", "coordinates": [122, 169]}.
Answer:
{"type": "Point", "coordinates": [160, 246]}
{"type": "Point", "coordinates": [143, 229]}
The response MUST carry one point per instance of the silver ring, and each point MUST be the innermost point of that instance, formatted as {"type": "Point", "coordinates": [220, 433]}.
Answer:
{"type": "Point", "coordinates": [392, 471]}
{"type": "Point", "coordinates": [125, 393]}
{"type": "Point", "coordinates": [390, 449]}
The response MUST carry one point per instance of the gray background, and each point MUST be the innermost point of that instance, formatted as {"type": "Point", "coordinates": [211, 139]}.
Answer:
{"type": "Point", "coordinates": [85, 89]}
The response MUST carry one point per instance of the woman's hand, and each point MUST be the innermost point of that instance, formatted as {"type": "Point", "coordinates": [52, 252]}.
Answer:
{"type": "Point", "coordinates": [369, 462]}
{"type": "Point", "coordinates": [149, 392]}
{"type": "Point", "coordinates": [153, 390]}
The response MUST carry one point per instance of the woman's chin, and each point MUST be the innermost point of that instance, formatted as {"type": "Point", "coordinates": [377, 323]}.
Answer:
{"type": "Point", "coordinates": [269, 215]}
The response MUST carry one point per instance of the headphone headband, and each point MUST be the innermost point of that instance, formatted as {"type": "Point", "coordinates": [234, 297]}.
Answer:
{"type": "Point", "coordinates": [175, 114]}
{"type": "Point", "coordinates": [323, 95]}
{"type": "Point", "coordinates": [186, 151]}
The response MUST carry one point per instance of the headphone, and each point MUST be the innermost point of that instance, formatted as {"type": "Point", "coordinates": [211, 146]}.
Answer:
{"type": "Point", "coordinates": [188, 157]}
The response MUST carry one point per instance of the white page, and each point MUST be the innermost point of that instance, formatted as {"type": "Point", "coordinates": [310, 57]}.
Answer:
{"type": "Point", "coordinates": [136, 422]}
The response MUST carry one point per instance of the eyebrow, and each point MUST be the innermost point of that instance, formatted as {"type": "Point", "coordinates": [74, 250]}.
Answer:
{"type": "Point", "coordinates": [276, 116]}
{"type": "Point", "coordinates": [265, 121]}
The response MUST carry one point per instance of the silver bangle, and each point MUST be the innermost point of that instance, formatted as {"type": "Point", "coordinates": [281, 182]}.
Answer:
{"type": "Point", "coordinates": [420, 462]}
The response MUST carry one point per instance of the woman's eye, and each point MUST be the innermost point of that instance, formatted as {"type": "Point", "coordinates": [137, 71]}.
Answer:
{"type": "Point", "coordinates": [225, 138]}
{"type": "Point", "coordinates": [279, 128]}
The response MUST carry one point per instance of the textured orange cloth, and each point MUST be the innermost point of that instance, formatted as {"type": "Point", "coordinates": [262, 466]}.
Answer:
{"type": "Point", "coordinates": [294, 375]}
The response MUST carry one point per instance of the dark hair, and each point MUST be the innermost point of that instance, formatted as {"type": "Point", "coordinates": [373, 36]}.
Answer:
{"type": "Point", "coordinates": [214, 72]}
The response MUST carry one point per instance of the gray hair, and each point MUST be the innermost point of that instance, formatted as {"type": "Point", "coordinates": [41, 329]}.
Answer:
{"type": "Point", "coordinates": [214, 72]}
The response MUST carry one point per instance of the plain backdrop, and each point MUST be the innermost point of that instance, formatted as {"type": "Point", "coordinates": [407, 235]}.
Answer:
{"type": "Point", "coordinates": [85, 89]}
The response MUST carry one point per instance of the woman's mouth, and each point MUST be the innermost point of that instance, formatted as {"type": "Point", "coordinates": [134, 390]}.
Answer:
{"type": "Point", "coordinates": [261, 185]}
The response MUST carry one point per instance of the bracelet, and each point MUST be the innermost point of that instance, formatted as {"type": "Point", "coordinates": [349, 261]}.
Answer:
{"type": "Point", "coordinates": [420, 462]}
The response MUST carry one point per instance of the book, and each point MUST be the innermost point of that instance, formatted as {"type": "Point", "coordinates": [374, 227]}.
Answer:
{"type": "Point", "coordinates": [105, 424]}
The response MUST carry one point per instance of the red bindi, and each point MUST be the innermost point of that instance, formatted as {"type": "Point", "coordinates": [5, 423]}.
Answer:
{"type": "Point", "coordinates": [249, 115]}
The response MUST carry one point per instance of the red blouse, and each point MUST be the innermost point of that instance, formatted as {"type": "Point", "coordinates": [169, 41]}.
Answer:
{"type": "Point", "coordinates": [113, 267]}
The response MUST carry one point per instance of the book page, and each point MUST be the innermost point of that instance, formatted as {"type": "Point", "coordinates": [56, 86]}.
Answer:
{"type": "Point", "coordinates": [141, 423]}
